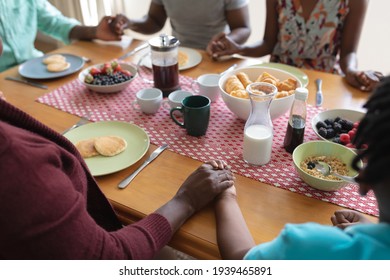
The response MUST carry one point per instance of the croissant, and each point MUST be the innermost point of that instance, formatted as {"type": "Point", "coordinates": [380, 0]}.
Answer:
{"type": "Point", "coordinates": [240, 93]}
{"type": "Point", "coordinates": [232, 84]}
{"type": "Point", "coordinates": [287, 85]}
{"type": "Point", "coordinates": [284, 93]}
{"type": "Point", "coordinates": [244, 79]}
{"type": "Point", "coordinates": [267, 78]}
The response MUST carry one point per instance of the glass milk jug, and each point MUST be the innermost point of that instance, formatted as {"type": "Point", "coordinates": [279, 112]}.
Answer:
{"type": "Point", "coordinates": [258, 131]}
{"type": "Point", "coordinates": [164, 58]}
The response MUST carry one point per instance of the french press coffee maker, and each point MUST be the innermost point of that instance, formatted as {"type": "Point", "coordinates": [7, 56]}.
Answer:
{"type": "Point", "coordinates": [164, 58]}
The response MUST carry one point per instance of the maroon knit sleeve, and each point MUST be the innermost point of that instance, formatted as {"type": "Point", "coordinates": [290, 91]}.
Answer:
{"type": "Point", "coordinates": [142, 239]}
{"type": "Point", "coordinates": [44, 213]}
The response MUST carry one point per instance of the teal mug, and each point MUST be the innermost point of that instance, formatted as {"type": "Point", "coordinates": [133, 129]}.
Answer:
{"type": "Point", "coordinates": [196, 114]}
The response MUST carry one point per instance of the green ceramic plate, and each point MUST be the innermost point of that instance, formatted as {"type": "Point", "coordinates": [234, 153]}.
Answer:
{"type": "Point", "coordinates": [137, 145]}
{"type": "Point", "coordinates": [290, 69]}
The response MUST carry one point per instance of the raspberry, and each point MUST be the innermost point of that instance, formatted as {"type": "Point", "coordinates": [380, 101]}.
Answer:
{"type": "Point", "coordinates": [352, 134]}
{"type": "Point", "coordinates": [350, 145]}
{"type": "Point", "coordinates": [345, 138]}
{"type": "Point", "coordinates": [356, 124]}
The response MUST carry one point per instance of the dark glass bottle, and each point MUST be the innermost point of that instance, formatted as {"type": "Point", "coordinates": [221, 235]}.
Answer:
{"type": "Point", "coordinates": [297, 121]}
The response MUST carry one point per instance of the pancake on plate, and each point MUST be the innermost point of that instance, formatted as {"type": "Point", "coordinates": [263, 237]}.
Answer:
{"type": "Point", "coordinates": [182, 59]}
{"type": "Point", "coordinates": [55, 58]}
{"type": "Point", "coordinates": [58, 66]}
{"type": "Point", "coordinates": [87, 148]}
{"type": "Point", "coordinates": [110, 145]}
{"type": "Point", "coordinates": [56, 63]}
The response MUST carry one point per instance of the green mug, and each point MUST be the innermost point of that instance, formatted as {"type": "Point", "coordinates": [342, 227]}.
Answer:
{"type": "Point", "coordinates": [196, 114]}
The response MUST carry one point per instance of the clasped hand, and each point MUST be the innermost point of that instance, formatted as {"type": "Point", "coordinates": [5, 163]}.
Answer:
{"type": "Point", "coordinates": [206, 183]}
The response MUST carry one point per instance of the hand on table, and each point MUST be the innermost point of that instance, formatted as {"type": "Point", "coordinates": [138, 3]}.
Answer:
{"type": "Point", "coordinates": [221, 45]}
{"type": "Point", "coordinates": [229, 192]}
{"type": "Point", "coordinates": [364, 80]}
{"type": "Point", "coordinates": [199, 189]}
{"type": "Point", "coordinates": [205, 183]}
{"type": "Point", "coordinates": [346, 218]}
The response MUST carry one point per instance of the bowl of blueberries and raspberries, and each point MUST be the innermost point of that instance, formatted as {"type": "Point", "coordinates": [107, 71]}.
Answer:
{"type": "Point", "coordinates": [338, 126]}
{"type": "Point", "coordinates": [108, 77]}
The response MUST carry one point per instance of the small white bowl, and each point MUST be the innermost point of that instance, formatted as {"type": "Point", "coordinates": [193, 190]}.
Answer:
{"type": "Point", "coordinates": [351, 115]}
{"type": "Point", "coordinates": [241, 107]}
{"type": "Point", "coordinates": [109, 88]}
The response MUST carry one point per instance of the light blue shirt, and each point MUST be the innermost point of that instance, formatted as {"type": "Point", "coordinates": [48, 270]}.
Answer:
{"type": "Point", "coordinates": [20, 21]}
{"type": "Point", "coordinates": [312, 241]}
{"type": "Point", "coordinates": [194, 23]}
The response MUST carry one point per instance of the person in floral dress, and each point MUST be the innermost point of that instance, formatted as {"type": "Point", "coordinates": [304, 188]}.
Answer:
{"type": "Point", "coordinates": [321, 35]}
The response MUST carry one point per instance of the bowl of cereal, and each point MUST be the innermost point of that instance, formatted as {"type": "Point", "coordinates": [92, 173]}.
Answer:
{"type": "Point", "coordinates": [233, 83]}
{"type": "Point", "coordinates": [337, 156]}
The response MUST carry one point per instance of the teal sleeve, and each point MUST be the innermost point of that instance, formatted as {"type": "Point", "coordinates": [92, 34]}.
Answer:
{"type": "Point", "coordinates": [53, 23]}
{"type": "Point", "coordinates": [305, 242]}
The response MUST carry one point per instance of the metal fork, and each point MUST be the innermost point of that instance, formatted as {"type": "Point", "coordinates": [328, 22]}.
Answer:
{"type": "Point", "coordinates": [82, 121]}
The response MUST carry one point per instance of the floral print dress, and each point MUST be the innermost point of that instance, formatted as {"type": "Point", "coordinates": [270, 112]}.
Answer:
{"type": "Point", "coordinates": [311, 44]}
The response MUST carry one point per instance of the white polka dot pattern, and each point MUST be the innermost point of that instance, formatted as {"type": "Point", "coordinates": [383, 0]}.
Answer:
{"type": "Point", "coordinates": [223, 139]}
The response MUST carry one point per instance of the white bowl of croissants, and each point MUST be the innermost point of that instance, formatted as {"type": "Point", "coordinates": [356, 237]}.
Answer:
{"type": "Point", "coordinates": [233, 85]}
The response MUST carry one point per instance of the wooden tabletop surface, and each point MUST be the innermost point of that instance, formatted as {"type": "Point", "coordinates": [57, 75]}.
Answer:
{"type": "Point", "coordinates": [266, 208]}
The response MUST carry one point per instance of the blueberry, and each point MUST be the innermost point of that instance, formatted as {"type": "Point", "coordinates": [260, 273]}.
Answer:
{"type": "Point", "coordinates": [322, 132]}
{"type": "Point", "coordinates": [346, 124]}
{"type": "Point", "coordinates": [330, 133]}
{"type": "Point", "coordinates": [336, 140]}
{"type": "Point", "coordinates": [337, 127]}
{"type": "Point", "coordinates": [329, 121]}
{"type": "Point", "coordinates": [310, 165]}
{"type": "Point", "coordinates": [320, 124]}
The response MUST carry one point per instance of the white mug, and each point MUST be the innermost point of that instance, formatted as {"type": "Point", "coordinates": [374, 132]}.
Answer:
{"type": "Point", "coordinates": [207, 85]}
{"type": "Point", "coordinates": [175, 98]}
{"type": "Point", "coordinates": [148, 100]}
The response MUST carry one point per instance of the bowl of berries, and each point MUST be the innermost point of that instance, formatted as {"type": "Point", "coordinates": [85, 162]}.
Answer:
{"type": "Point", "coordinates": [337, 125]}
{"type": "Point", "coordinates": [108, 77]}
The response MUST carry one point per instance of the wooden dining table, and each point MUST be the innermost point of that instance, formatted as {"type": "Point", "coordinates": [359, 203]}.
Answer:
{"type": "Point", "coordinates": [265, 208]}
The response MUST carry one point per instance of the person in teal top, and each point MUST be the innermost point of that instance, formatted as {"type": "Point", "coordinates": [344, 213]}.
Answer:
{"type": "Point", "coordinates": [20, 20]}
{"type": "Point", "coordinates": [352, 236]}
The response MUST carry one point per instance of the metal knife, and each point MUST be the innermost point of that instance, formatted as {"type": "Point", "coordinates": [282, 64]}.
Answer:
{"type": "Point", "coordinates": [26, 82]}
{"type": "Point", "coordinates": [319, 96]}
{"type": "Point", "coordinates": [137, 49]}
{"type": "Point", "coordinates": [128, 179]}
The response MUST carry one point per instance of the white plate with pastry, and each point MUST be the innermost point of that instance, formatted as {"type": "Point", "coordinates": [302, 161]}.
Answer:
{"type": "Point", "coordinates": [51, 66]}
{"type": "Point", "coordinates": [131, 140]}
{"type": "Point", "coordinates": [187, 58]}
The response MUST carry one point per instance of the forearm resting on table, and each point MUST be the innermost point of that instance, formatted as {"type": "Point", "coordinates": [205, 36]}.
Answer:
{"type": "Point", "coordinates": [176, 211]}
{"type": "Point", "coordinates": [348, 63]}
{"type": "Point", "coordinates": [83, 32]}
{"type": "Point", "coordinates": [233, 236]}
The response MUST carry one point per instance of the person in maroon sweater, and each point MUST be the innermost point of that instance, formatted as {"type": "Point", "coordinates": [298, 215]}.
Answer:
{"type": "Point", "coordinates": [52, 208]}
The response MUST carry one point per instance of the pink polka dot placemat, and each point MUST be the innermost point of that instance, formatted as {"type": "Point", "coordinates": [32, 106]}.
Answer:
{"type": "Point", "coordinates": [223, 140]}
